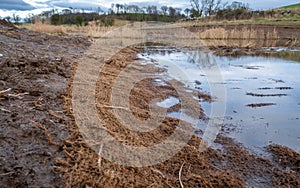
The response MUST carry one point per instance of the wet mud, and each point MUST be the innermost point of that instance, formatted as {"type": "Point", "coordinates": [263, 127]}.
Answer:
{"type": "Point", "coordinates": [34, 73]}
{"type": "Point", "coordinates": [41, 145]}
{"type": "Point", "coordinates": [229, 166]}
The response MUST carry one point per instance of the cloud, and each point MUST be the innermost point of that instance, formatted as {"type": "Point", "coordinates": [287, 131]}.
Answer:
{"type": "Point", "coordinates": [76, 4]}
{"type": "Point", "coordinates": [15, 5]}
{"type": "Point", "coordinates": [88, 4]}
{"type": "Point", "coordinates": [173, 3]}
{"type": "Point", "coordinates": [104, 3]}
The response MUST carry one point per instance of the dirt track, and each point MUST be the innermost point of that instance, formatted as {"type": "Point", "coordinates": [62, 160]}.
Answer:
{"type": "Point", "coordinates": [41, 146]}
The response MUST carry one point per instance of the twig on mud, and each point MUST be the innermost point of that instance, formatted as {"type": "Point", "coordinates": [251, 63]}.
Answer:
{"type": "Point", "coordinates": [18, 96]}
{"type": "Point", "coordinates": [100, 158]}
{"type": "Point", "coordinates": [159, 172]}
{"type": "Point", "coordinates": [4, 91]}
{"type": "Point", "coordinates": [68, 154]}
{"type": "Point", "coordinates": [39, 102]}
{"type": "Point", "coordinates": [39, 125]}
{"type": "Point", "coordinates": [162, 175]}
{"type": "Point", "coordinates": [115, 107]}
{"type": "Point", "coordinates": [54, 114]}
{"type": "Point", "coordinates": [215, 167]}
{"type": "Point", "coordinates": [8, 173]}
{"type": "Point", "coordinates": [180, 171]}
{"type": "Point", "coordinates": [4, 110]}
{"type": "Point", "coordinates": [189, 170]}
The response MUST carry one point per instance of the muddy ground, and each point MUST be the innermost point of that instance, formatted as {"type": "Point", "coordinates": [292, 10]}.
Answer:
{"type": "Point", "coordinates": [41, 146]}
{"type": "Point", "coordinates": [34, 73]}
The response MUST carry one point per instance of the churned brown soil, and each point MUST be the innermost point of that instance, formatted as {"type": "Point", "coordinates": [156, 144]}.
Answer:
{"type": "Point", "coordinates": [34, 73]}
{"type": "Point", "coordinates": [231, 166]}
{"type": "Point", "coordinates": [41, 145]}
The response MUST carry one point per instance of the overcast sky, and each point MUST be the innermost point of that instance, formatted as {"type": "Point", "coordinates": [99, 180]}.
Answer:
{"type": "Point", "coordinates": [24, 7]}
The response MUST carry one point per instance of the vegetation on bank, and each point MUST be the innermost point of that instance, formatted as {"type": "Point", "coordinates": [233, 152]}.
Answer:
{"type": "Point", "coordinates": [117, 12]}
{"type": "Point", "coordinates": [292, 6]}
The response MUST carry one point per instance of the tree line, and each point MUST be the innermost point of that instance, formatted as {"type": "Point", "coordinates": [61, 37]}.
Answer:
{"type": "Point", "coordinates": [117, 11]}
{"type": "Point", "coordinates": [215, 9]}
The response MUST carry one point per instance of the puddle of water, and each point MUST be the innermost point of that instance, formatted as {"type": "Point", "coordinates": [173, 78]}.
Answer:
{"type": "Point", "coordinates": [160, 82]}
{"type": "Point", "coordinates": [262, 94]}
{"type": "Point", "coordinates": [168, 102]}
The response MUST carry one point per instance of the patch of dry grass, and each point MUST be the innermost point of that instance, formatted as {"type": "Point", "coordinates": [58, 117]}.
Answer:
{"type": "Point", "coordinates": [92, 30]}
{"type": "Point", "coordinates": [46, 28]}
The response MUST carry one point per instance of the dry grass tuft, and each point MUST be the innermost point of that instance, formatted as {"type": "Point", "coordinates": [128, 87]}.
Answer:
{"type": "Point", "coordinates": [46, 28]}
{"type": "Point", "coordinates": [91, 31]}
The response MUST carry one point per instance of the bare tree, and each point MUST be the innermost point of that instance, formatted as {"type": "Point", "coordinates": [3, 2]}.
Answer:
{"type": "Point", "coordinates": [212, 6]}
{"type": "Point", "coordinates": [187, 11]}
{"type": "Point", "coordinates": [205, 7]}
{"type": "Point", "coordinates": [8, 18]}
{"type": "Point", "coordinates": [16, 18]}
{"type": "Point", "coordinates": [172, 11]}
{"type": "Point", "coordinates": [118, 8]}
{"type": "Point", "coordinates": [152, 10]}
{"type": "Point", "coordinates": [164, 10]}
{"type": "Point", "coordinates": [121, 8]}
{"type": "Point", "coordinates": [112, 8]}
{"type": "Point", "coordinates": [134, 9]}
{"type": "Point", "coordinates": [197, 7]}
{"type": "Point", "coordinates": [178, 11]}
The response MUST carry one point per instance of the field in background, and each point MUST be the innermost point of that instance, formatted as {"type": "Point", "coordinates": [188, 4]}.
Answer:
{"type": "Point", "coordinates": [292, 6]}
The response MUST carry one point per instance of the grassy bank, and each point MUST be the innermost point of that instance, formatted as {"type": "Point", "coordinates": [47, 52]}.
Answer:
{"type": "Point", "coordinates": [286, 21]}
{"type": "Point", "coordinates": [292, 6]}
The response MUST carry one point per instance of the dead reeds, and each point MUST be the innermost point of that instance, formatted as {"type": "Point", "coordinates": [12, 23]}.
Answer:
{"type": "Point", "coordinates": [46, 28]}
{"type": "Point", "coordinates": [244, 37]}
{"type": "Point", "coordinates": [91, 30]}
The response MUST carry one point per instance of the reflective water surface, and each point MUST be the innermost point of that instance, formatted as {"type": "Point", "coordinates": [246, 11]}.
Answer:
{"type": "Point", "coordinates": [262, 94]}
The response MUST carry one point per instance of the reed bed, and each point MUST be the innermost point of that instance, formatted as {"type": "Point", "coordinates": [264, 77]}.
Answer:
{"type": "Point", "coordinates": [244, 37]}
{"type": "Point", "coordinates": [92, 30]}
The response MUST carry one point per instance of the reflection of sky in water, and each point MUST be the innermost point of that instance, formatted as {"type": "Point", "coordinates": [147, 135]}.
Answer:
{"type": "Point", "coordinates": [168, 102]}
{"type": "Point", "coordinates": [256, 127]}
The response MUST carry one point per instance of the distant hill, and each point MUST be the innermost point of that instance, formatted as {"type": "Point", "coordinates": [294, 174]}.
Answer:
{"type": "Point", "coordinates": [292, 6]}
